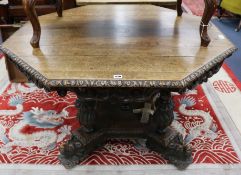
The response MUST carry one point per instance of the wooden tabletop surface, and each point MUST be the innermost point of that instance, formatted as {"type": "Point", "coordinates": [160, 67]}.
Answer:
{"type": "Point", "coordinates": [139, 42]}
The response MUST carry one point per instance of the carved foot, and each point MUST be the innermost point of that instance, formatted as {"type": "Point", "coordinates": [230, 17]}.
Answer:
{"type": "Point", "coordinates": [79, 147]}
{"type": "Point", "coordinates": [84, 140]}
{"type": "Point", "coordinates": [179, 8]}
{"type": "Point", "coordinates": [172, 147]}
{"type": "Point", "coordinates": [210, 6]}
{"type": "Point", "coordinates": [59, 7]}
{"type": "Point", "coordinates": [70, 162]}
{"type": "Point", "coordinates": [162, 138]}
{"type": "Point", "coordinates": [29, 7]}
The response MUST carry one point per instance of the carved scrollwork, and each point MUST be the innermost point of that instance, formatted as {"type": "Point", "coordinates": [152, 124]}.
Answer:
{"type": "Point", "coordinates": [171, 145]}
{"type": "Point", "coordinates": [72, 152]}
{"type": "Point", "coordinates": [79, 147]}
{"type": "Point", "coordinates": [188, 82]}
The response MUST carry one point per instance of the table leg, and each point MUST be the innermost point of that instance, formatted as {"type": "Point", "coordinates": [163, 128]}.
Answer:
{"type": "Point", "coordinates": [118, 113]}
{"type": "Point", "coordinates": [84, 140]}
{"type": "Point", "coordinates": [79, 147]}
{"type": "Point", "coordinates": [59, 7]}
{"type": "Point", "coordinates": [210, 6]}
{"type": "Point", "coordinates": [220, 10]}
{"type": "Point", "coordinates": [29, 7]}
{"type": "Point", "coordinates": [239, 27]}
{"type": "Point", "coordinates": [163, 138]}
{"type": "Point", "coordinates": [179, 8]}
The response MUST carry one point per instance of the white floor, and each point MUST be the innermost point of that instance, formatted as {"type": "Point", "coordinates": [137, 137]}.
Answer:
{"type": "Point", "coordinates": [202, 169]}
{"type": "Point", "coordinates": [231, 101]}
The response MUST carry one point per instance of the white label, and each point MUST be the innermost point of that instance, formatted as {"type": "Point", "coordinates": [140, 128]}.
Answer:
{"type": "Point", "coordinates": [118, 76]}
{"type": "Point", "coordinates": [221, 37]}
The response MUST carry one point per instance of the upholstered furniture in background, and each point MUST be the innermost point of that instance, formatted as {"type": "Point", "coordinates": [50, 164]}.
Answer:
{"type": "Point", "coordinates": [233, 6]}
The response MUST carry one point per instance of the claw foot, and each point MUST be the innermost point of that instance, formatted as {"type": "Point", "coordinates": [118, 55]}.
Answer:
{"type": "Point", "coordinates": [171, 145]}
{"type": "Point", "coordinates": [73, 152]}
{"type": "Point", "coordinates": [68, 163]}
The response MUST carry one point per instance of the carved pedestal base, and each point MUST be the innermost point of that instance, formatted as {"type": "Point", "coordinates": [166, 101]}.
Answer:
{"type": "Point", "coordinates": [169, 143]}
{"type": "Point", "coordinates": [125, 113]}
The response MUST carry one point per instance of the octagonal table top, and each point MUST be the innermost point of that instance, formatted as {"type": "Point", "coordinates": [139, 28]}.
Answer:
{"type": "Point", "coordinates": [117, 45]}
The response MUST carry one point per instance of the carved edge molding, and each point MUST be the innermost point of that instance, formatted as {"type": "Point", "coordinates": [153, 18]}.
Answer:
{"type": "Point", "coordinates": [34, 76]}
{"type": "Point", "coordinates": [199, 76]}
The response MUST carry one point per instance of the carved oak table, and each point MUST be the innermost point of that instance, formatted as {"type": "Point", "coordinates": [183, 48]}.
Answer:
{"type": "Point", "coordinates": [29, 7]}
{"type": "Point", "coordinates": [123, 62]}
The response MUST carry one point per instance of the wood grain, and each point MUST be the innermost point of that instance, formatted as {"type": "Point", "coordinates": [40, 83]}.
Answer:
{"type": "Point", "coordinates": [140, 42]}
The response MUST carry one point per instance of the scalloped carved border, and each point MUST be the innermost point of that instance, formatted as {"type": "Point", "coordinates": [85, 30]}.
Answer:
{"type": "Point", "coordinates": [189, 82]}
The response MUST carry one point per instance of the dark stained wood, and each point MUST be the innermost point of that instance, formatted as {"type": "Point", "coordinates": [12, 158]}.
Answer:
{"type": "Point", "coordinates": [3, 12]}
{"type": "Point", "coordinates": [29, 7]}
{"type": "Point", "coordinates": [59, 7]}
{"type": "Point", "coordinates": [239, 26]}
{"type": "Point", "coordinates": [210, 7]}
{"type": "Point", "coordinates": [16, 11]}
{"type": "Point", "coordinates": [110, 114]}
{"type": "Point", "coordinates": [179, 8]}
{"type": "Point", "coordinates": [122, 62]}
{"type": "Point", "coordinates": [1, 37]}
{"type": "Point", "coordinates": [38, 2]}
